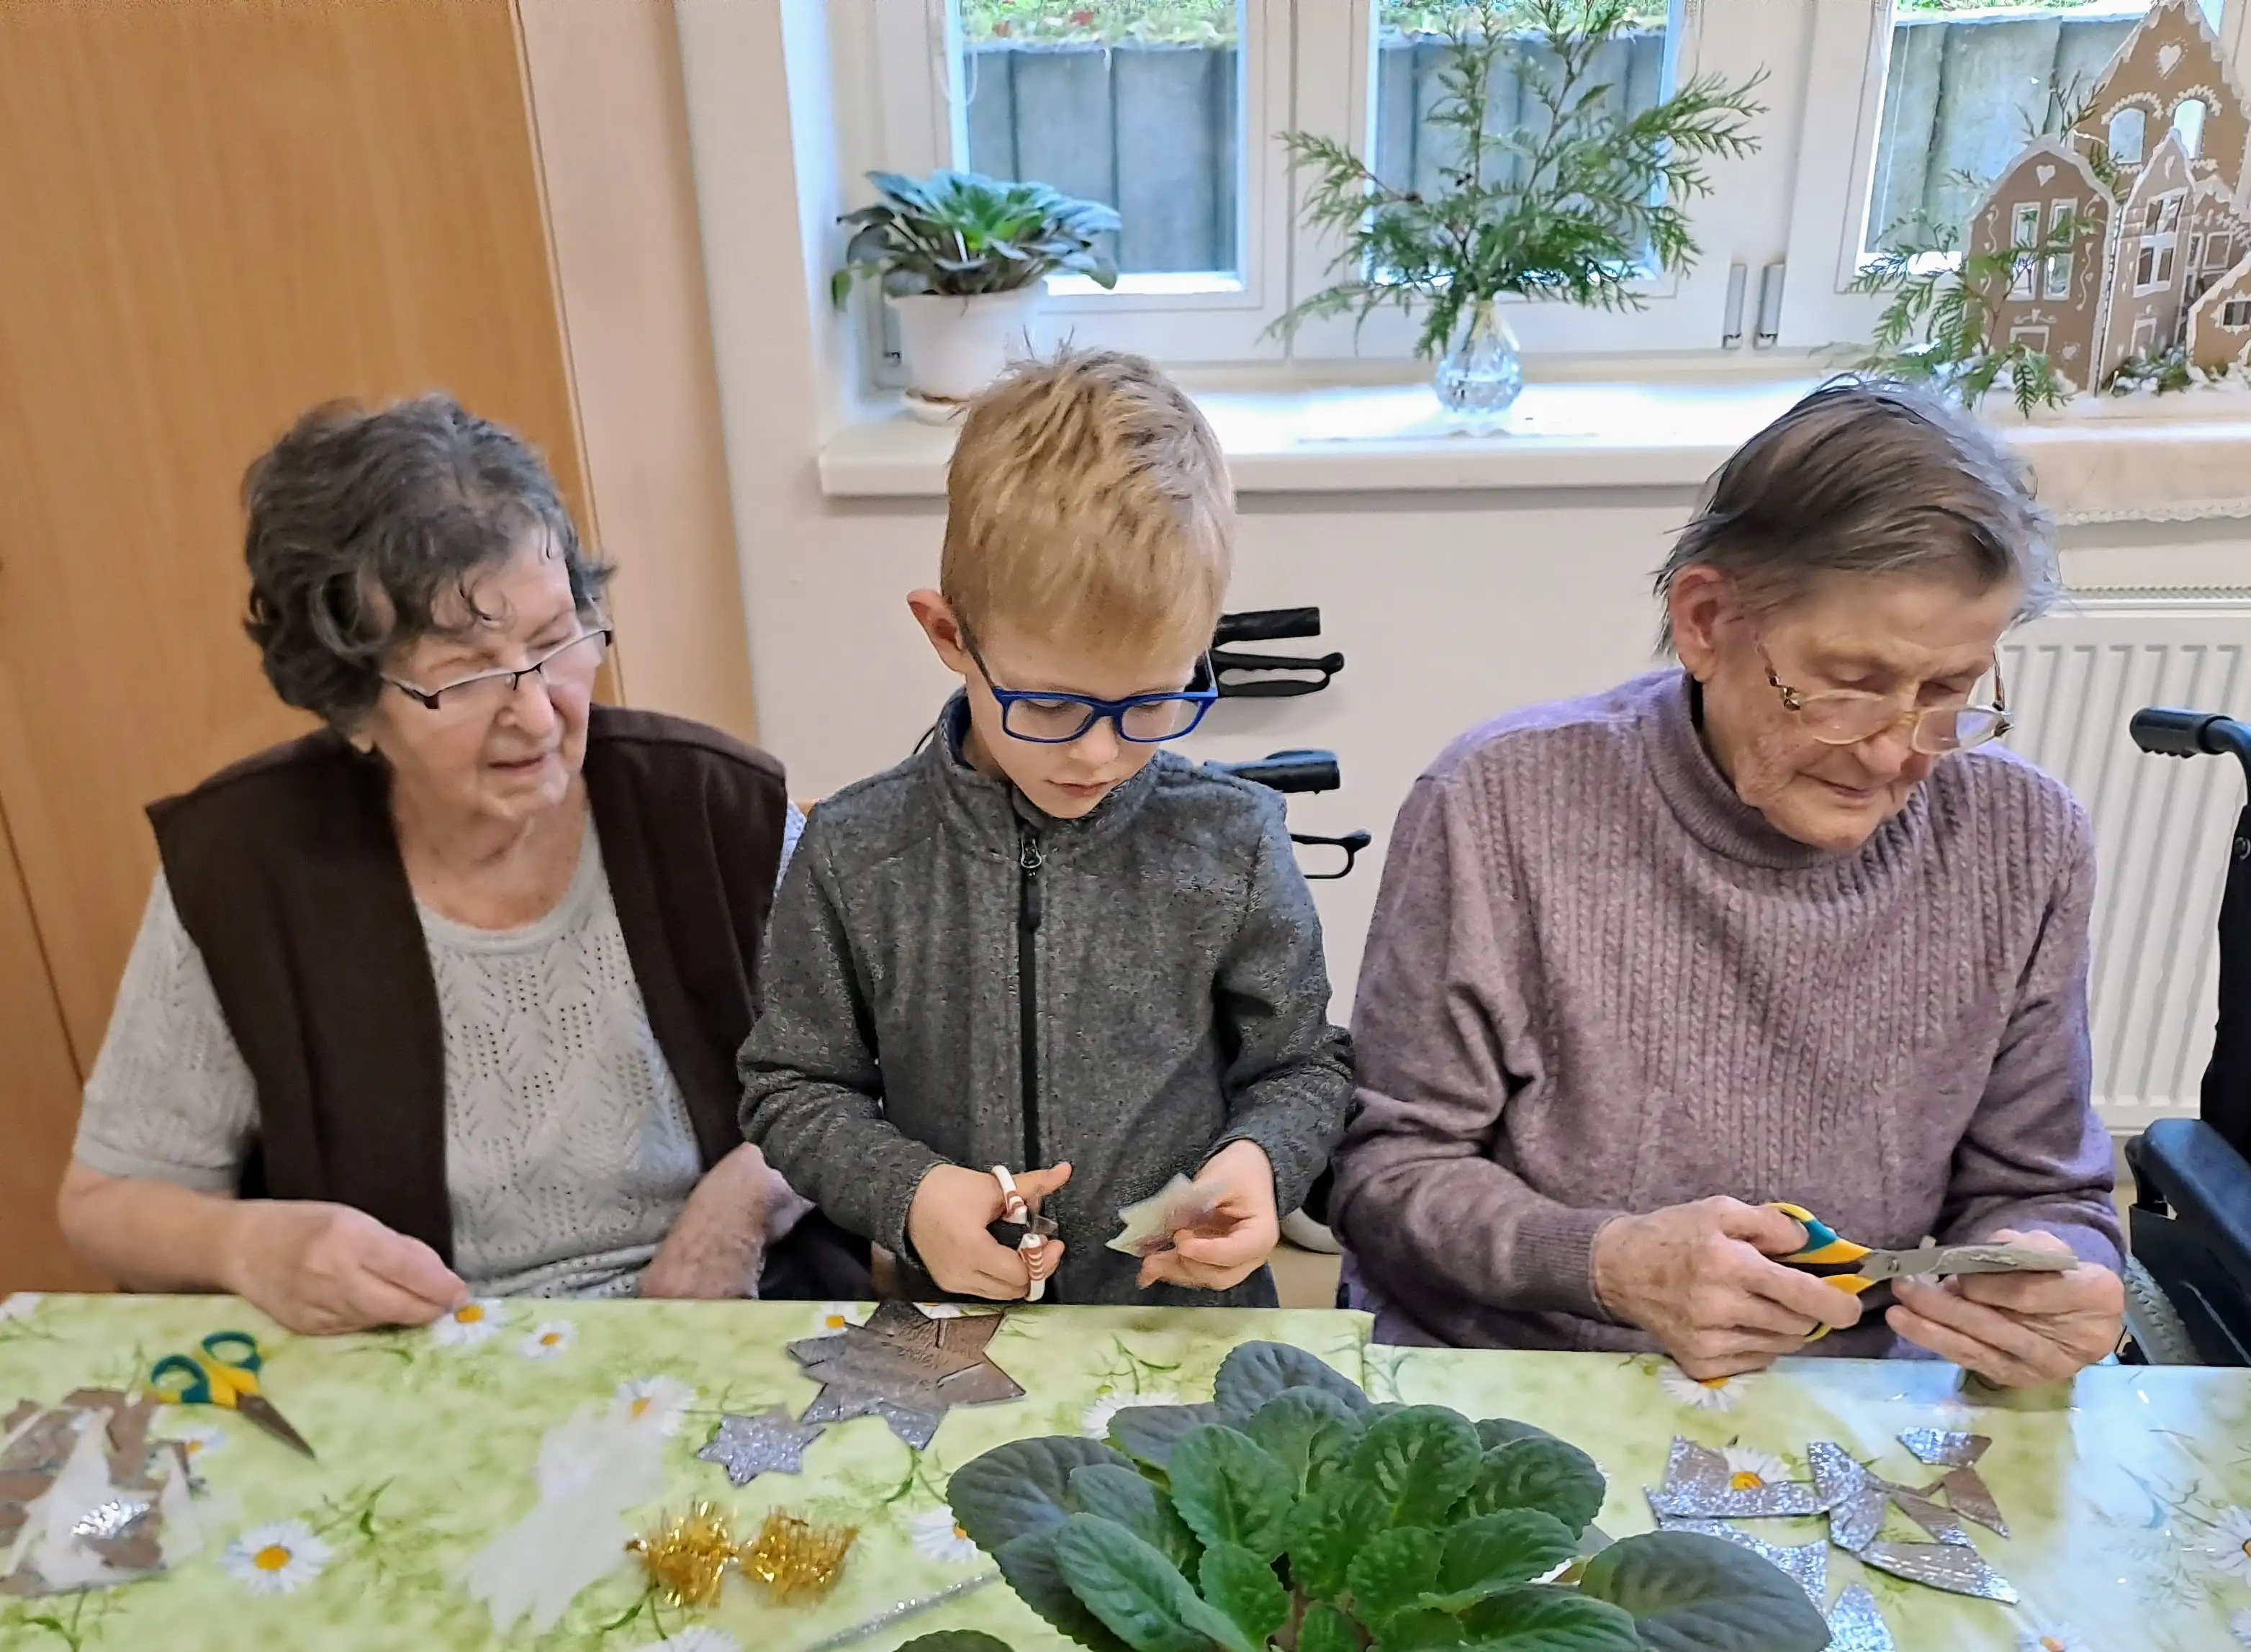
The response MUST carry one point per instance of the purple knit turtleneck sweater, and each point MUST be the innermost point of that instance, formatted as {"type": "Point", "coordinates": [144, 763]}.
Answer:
{"type": "Point", "coordinates": [1598, 982]}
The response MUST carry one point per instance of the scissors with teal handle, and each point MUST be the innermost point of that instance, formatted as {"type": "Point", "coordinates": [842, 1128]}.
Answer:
{"type": "Point", "coordinates": [224, 1373]}
{"type": "Point", "coordinates": [1855, 1268]}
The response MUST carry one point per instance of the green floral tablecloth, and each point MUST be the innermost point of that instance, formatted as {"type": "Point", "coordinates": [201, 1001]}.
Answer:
{"type": "Point", "coordinates": [2128, 1496]}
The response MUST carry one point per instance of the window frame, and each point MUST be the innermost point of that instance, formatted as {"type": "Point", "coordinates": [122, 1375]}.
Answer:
{"type": "Point", "coordinates": [1848, 68]}
{"type": "Point", "coordinates": [916, 123]}
{"type": "Point", "coordinates": [1336, 97]}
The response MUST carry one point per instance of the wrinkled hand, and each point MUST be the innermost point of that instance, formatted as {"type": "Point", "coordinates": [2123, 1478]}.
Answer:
{"type": "Point", "coordinates": [320, 1270]}
{"type": "Point", "coordinates": [1241, 1233]}
{"type": "Point", "coordinates": [1700, 1278]}
{"type": "Point", "coordinates": [2015, 1329]}
{"type": "Point", "coordinates": [718, 1245]}
{"type": "Point", "coordinates": [946, 1224]}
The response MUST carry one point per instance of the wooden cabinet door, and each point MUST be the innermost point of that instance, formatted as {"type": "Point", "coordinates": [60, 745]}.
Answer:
{"type": "Point", "coordinates": [38, 1102]}
{"type": "Point", "coordinates": [214, 217]}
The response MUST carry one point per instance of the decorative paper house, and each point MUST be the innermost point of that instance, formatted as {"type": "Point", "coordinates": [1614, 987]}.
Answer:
{"type": "Point", "coordinates": [2154, 179]}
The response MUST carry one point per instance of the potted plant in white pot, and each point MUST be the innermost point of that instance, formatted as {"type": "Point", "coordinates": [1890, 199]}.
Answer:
{"type": "Point", "coordinates": [964, 260]}
{"type": "Point", "coordinates": [1580, 199]}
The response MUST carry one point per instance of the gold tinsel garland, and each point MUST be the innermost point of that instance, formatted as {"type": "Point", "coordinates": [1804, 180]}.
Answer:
{"type": "Point", "coordinates": [686, 1559]}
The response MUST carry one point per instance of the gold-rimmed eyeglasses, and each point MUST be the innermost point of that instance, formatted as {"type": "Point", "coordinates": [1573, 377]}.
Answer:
{"type": "Point", "coordinates": [1846, 716]}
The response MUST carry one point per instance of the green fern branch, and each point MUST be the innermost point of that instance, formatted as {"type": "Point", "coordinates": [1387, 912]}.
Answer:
{"type": "Point", "coordinates": [1573, 203]}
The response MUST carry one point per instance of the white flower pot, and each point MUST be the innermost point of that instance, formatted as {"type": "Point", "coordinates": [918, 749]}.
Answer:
{"type": "Point", "coordinates": [955, 347]}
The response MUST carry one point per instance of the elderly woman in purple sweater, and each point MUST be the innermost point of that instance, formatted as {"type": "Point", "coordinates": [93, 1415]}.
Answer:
{"type": "Point", "coordinates": [1780, 924]}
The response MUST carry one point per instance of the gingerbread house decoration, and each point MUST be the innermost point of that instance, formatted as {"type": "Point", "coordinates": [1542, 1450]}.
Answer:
{"type": "Point", "coordinates": [2220, 326]}
{"type": "Point", "coordinates": [2168, 75]}
{"type": "Point", "coordinates": [2113, 236]}
{"type": "Point", "coordinates": [2052, 305]}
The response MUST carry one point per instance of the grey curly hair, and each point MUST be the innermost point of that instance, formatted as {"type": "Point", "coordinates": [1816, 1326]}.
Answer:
{"type": "Point", "coordinates": [361, 525]}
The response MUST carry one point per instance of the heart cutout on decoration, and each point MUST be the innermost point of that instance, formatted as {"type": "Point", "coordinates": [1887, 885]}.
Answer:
{"type": "Point", "coordinates": [2169, 57]}
{"type": "Point", "coordinates": [2045, 175]}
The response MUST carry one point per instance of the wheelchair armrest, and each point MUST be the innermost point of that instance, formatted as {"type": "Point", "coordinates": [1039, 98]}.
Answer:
{"type": "Point", "coordinates": [2207, 1184]}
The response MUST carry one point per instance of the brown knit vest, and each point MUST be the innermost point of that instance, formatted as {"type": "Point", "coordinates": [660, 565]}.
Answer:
{"type": "Point", "coordinates": [287, 877]}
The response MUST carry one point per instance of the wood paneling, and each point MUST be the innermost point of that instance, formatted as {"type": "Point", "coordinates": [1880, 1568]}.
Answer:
{"type": "Point", "coordinates": [38, 1102]}
{"type": "Point", "coordinates": [215, 214]}
{"type": "Point", "coordinates": [612, 127]}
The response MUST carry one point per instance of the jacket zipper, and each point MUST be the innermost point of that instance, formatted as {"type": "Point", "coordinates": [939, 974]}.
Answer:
{"type": "Point", "coordinates": [1030, 858]}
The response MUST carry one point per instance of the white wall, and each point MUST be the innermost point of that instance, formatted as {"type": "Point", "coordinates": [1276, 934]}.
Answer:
{"type": "Point", "coordinates": [1449, 607]}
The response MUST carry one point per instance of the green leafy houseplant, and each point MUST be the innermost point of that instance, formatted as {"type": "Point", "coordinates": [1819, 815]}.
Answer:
{"type": "Point", "coordinates": [1573, 203]}
{"type": "Point", "coordinates": [963, 235]}
{"type": "Point", "coordinates": [1292, 1512]}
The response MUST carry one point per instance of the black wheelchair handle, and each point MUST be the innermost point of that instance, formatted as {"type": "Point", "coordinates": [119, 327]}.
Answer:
{"type": "Point", "coordinates": [1265, 625]}
{"type": "Point", "coordinates": [1287, 770]}
{"type": "Point", "coordinates": [2173, 733]}
{"type": "Point", "coordinates": [1352, 843]}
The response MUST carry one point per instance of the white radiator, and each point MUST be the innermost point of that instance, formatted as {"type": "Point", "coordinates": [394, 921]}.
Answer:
{"type": "Point", "coordinates": [2162, 825]}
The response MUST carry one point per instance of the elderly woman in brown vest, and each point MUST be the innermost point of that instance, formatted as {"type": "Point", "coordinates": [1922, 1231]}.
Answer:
{"type": "Point", "coordinates": [443, 1002]}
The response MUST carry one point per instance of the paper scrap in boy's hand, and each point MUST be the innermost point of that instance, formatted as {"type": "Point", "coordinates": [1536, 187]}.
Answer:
{"type": "Point", "coordinates": [1150, 1225]}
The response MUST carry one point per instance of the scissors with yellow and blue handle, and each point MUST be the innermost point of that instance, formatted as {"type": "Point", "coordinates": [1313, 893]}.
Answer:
{"type": "Point", "coordinates": [1855, 1268]}
{"type": "Point", "coordinates": [224, 1372]}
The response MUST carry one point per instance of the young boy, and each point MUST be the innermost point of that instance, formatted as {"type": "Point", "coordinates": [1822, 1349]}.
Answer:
{"type": "Point", "coordinates": [1044, 943]}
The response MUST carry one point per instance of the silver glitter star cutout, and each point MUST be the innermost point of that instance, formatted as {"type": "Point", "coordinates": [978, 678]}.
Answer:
{"type": "Point", "coordinates": [767, 1442]}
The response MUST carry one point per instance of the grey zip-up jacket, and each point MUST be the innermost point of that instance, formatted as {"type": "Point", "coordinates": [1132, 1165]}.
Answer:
{"type": "Point", "coordinates": [953, 976]}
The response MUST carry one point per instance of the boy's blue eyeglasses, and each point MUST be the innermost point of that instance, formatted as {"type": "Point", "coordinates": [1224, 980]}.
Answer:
{"type": "Point", "coordinates": [1053, 719]}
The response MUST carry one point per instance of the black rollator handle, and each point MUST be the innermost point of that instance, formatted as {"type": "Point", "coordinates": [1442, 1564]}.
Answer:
{"type": "Point", "coordinates": [1287, 770]}
{"type": "Point", "coordinates": [1352, 843]}
{"type": "Point", "coordinates": [1266, 624]}
{"type": "Point", "coordinates": [2169, 732]}
{"type": "Point", "coordinates": [1238, 675]}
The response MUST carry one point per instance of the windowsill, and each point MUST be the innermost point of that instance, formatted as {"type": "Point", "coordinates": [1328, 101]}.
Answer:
{"type": "Point", "coordinates": [2095, 461]}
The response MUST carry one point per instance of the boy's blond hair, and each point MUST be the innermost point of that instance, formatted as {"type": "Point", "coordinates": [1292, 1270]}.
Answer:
{"type": "Point", "coordinates": [1088, 503]}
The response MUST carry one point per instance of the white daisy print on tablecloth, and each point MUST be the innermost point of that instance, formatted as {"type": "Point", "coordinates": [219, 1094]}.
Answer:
{"type": "Point", "coordinates": [836, 1316]}
{"type": "Point", "coordinates": [201, 1439]}
{"type": "Point", "coordinates": [1750, 1468]}
{"type": "Point", "coordinates": [277, 1559]}
{"type": "Point", "coordinates": [20, 1305]}
{"type": "Point", "coordinates": [699, 1637]}
{"type": "Point", "coordinates": [549, 1341]}
{"type": "Point", "coordinates": [2230, 1545]}
{"type": "Point", "coordinates": [661, 1402]}
{"type": "Point", "coordinates": [2050, 1637]}
{"type": "Point", "coordinates": [938, 1535]}
{"type": "Point", "coordinates": [470, 1323]}
{"type": "Point", "coordinates": [1095, 1420]}
{"type": "Point", "coordinates": [2240, 1625]}
{"type": "Point", "coordinates": [1712, 1393]}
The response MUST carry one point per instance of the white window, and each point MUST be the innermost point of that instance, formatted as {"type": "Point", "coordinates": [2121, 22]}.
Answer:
{"type": "Point", "coordinates": [2025, 232]}
{"type": "Point", "coordinates": [2129, 136]}
{"type": "Point", "coordinates": [1171, 110]}
{"type": "Point", "coordinates": [2057, 280]}
{"type": "Point", "coordinates": [1175, 128]}
{"type": "Point", "coordinates": [2235, 313]}
{"type": "Point", "coordinates": [2188, 122]}
{"type": "Point", "coordinates": [1367, 79]}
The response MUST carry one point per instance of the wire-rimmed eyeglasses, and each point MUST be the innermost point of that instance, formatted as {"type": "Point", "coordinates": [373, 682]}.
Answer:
{"type": "Point", "coordinates": [1846, 716]}
{"type": "Point", "coordinates": [575, 660]}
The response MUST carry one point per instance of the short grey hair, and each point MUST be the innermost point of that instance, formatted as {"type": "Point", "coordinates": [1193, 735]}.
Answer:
{"type": "Point", "coordinates": [1869, 477]}
{"type": "Point", "coordinates": [361, 523]}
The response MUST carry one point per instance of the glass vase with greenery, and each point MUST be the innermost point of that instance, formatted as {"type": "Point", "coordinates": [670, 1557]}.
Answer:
{"type": "Point", "coordinates": [1578, 201]}
{"type": "Point", "coordinates": [1292, 1512]}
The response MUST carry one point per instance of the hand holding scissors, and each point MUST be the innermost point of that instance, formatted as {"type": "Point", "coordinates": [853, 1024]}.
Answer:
{"type": "Point", "coordinates": [1856, 1268]}
{"type": "Point", "coordinates": [224, 1372]}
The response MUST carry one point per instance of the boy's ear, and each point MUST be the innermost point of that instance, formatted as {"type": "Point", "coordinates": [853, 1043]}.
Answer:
{"type": "Point", "coordinates": [935, 615]}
